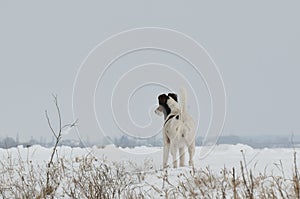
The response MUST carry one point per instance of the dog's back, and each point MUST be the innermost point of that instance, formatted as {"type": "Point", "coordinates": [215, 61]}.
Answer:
{"type": "Point", "coordinates": [186, 117]}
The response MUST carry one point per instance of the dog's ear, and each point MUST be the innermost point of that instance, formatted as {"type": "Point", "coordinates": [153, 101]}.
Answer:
{"type": "Point", "coordinates": [162, 99]}
{"type": "Point", "coordinates": [174, 96]}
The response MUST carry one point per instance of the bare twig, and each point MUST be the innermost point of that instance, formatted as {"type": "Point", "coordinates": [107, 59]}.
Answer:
{"type": "Point", "coordinates": [58, 113]}
{"type": "Point", "coordinates": [58, 135]}
{"type": "Point", "coordinates": [49, 124]}
{"type": "Point", "coordinates": [296, 178]}
{"type": "Point", "coordinates": [234, 184]}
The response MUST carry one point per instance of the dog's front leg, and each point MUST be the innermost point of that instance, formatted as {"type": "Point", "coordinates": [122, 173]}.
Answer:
{"type": "Point", "coordinates": [174, 150]}
{"type": "Point", "coordinates": [166, 154]}
{"type": "Point", "coordinates": [181, 156]}
{"type": "Point", "coordinates": [191, 150]}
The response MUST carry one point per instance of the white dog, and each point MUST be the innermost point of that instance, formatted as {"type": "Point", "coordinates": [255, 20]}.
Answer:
{"type": "Point", "coordinates": [179, 128]}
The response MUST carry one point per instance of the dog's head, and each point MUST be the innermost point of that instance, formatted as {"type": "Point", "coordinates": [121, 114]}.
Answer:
{"type": "Point", "coordinates": [165, 104]}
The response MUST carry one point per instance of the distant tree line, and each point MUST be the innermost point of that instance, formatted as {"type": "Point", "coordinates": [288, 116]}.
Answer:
{"type": "Point", "coordinates": [127, 141]}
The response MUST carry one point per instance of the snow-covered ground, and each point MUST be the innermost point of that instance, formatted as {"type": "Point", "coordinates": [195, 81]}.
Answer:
{"type": "Point", "coordinates": [148, 160]}
{"type": "Point", "coordinates": [221, 155]}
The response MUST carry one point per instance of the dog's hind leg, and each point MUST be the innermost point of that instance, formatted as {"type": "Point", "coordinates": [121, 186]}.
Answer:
{"type": "Point", "coordinates": [174, 150]}
{"type": "Point", "coordinates": [166, 155]}
{"type": "Point", "coordinates": [181, 155]}
{"type": "Point", "coordinates": [166, 150]}
{"type": "Point", "coordinates": [191, 150]}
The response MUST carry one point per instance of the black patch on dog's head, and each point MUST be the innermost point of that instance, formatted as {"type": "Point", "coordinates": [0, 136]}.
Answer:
{"type": "Point", "coordinates": [174, 96]}
{"type": "Point", "coordinates": [162, 100]}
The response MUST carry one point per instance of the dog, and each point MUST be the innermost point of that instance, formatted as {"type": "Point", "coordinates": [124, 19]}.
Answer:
{"type": "Point", "coordinates": [178, 129]}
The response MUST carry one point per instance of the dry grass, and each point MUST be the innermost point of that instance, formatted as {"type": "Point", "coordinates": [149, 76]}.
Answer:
{"type": "Point", "coordinates": [88, 177]}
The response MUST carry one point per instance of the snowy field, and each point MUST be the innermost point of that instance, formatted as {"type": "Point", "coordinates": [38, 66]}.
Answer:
{"type": "Point", "coordinates": [112, 172]}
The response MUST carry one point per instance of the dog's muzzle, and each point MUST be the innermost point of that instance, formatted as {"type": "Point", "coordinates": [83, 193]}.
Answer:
{"type": "Point", "coordinates": [159, 111]}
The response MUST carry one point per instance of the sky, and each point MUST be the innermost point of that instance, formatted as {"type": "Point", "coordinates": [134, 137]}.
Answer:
{"type": "Point", "coordinates": [255, 45]}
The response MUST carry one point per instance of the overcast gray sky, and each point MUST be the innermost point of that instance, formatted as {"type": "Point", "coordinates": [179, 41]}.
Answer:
{"type": "Point", "coordinates": [256, 46]}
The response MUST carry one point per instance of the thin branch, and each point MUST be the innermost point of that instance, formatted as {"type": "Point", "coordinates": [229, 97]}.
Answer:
{"type": "Point", "coordinates": [58, 135]}
{"type": "Point", "coordinates": [296, 178]}
{"type": "Point", "coordinates": [58, 112]}
{"type": "Point", "coordinates": [49, 124]}
{"type": "Point", "coordinates": [71, 124]}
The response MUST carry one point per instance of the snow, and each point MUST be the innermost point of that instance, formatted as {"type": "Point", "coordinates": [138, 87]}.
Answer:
{"type": "Point", "coordinates": [221, 155]}
{"type": "Point", "coordinates": [148, 160]}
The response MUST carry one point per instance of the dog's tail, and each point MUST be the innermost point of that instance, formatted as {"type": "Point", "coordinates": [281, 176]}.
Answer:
{"type": "Point", "coordinates": [182, 92]}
